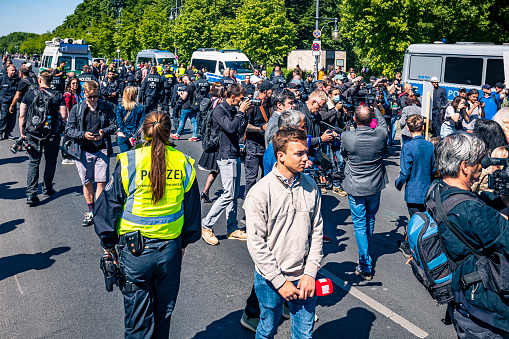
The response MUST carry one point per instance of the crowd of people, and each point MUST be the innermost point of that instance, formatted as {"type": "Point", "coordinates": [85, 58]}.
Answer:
{"type": "Point", "coordinates": [297, 137]}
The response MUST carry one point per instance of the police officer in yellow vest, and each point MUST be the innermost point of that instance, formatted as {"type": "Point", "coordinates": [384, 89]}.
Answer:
{"type": "Point", "coordinates": [150, 210]}
{"type": "Point", "coordinates": [181, 70]}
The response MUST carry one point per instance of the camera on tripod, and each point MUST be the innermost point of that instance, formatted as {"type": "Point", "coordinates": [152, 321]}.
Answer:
{"type": "Point", "coordinates": [498, 181]}
{"type": "Point", "coordinates": [20, 143]}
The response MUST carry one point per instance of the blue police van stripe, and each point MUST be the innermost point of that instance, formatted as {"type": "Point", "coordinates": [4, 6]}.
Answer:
{"type": "Point", "coordinates": [452, 91]}
{"type": "Point", "coordinates": [160, 220]}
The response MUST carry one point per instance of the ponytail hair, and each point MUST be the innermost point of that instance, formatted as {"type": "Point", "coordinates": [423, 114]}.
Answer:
{"type": "Point", "coordinates": [156, 129]}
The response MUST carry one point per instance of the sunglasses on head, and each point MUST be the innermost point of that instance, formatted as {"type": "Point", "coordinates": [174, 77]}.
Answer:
{"type": "Point", "coordinates": [92, 97]}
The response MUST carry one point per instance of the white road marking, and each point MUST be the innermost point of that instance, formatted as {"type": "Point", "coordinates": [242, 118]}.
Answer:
{"type": "Point", "coordinates": [19, 286]}
{"type": "Point", "coordinates": [375, 305]}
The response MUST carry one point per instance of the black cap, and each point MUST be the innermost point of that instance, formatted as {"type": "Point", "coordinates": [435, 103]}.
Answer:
{"type": "Point", "coordinates": [499, 85]}
{"type": "Point", "coordinates": [265, 85]}
{"type": "Point", "coordinates": [293, 85]}
{"type": "Point", "coordinates": [200, 73]}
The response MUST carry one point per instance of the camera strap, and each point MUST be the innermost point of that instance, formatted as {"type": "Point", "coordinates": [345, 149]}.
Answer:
{"type": "Point", "coordinates": [264, 115]}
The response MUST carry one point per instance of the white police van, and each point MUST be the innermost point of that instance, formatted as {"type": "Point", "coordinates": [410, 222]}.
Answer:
{"type": "Point", "coordinates": [75, 53]}
{"type": "Point", "coordinates": [215, 62]}
{"type": "Point", "coordinates": [158, 58]}
{"type": "Point", "coordinates": [463, 64]}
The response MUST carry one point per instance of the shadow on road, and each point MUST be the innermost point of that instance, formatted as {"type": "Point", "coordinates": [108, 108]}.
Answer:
{"type": "Point", "coordinates": [345, 270]}
{"type": "Point", "coordinates": [357, 324]}
{"type": "Point", "coordinates": [8, 193]}
{"type": "Point", "coordinates": [8, 226]}
{"type": "Point", "coordinates": [14, 159]}
{"type": "Point", "coordinates": [60, 193]}
{"type": "Point", "coordinates": [20, 263]}
{"type": "Point", "coordinates": [227, 327]}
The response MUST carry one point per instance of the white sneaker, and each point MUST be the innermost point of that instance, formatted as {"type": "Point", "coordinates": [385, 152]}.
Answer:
{"type": "Point", "coordinates": [89, 219]}
{"type": "Point", "coordinates": [68, 161]}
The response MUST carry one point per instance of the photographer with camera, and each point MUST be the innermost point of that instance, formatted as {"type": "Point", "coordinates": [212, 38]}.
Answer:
{"type": "Point", "coordinates": [152, 222]}
{"type": "Point", "coordinates": [186, 97]}
{"type": "Point", "coordinates": [472, 233]}
{"type": "Point", "coordinates": [41, 115]}
{"type": "Point", "coordinates": [281, 100]}
{"type": "Point", "coordinates": [258, 117]}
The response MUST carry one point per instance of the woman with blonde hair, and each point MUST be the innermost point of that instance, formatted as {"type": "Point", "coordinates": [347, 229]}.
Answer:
{"type": "Point", "coordinates": [130, 116]}
{"type": "Point", "coordinates": [502, 118]}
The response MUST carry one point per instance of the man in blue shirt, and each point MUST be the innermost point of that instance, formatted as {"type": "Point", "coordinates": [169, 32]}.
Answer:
{"type": "Point", "coordinates": [488, 103]}
{"type": "Point", "coordinates": [417, 165]}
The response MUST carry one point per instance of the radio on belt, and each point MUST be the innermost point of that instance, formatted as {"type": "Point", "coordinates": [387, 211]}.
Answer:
{"type": "Point", "coordinates": [323, 287]}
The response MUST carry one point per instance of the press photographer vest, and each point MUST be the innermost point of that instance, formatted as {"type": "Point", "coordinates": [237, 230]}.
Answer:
{"type": "Point", "coordinates": [163, 220]}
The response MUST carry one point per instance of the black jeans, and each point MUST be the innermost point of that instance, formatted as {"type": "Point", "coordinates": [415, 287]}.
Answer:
{"type": "Point", "coordinates": [414, 208]}
{"type": "Point", "coordinates": [252, 163]}
{"type": "Point", "coordinates": [7, 120]}
{"type": "Point", "coordinates": [50, 145]}
{"type": "Point", "coordinates": [156, 273]}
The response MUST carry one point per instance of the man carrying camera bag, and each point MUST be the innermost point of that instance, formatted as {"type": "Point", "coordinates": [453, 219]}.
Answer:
{"type": "Point", "coordinates": [90, 124]}
{"type": "Point", "coordinates": [41, 116]}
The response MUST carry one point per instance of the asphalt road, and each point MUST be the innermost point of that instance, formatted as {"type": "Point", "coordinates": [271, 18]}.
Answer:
{"type": "Point", "coordinates": [51, 285]}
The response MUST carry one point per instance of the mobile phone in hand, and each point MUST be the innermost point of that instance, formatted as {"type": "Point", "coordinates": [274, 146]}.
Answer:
{"type": "Point", "coordinates": [96, 134]}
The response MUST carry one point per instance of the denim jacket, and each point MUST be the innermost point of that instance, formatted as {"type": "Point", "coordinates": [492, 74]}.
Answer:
{"type": "Point", "coordinates": [417, 164]}
{"type": "Point", "coordinates": [133, 122]}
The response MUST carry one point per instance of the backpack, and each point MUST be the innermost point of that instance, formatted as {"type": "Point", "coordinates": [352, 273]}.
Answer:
{"type": "Point", "coordinates": [137, 75]}
{"type": "Point", "coordinates": [31, 85]}
{"type": "Point", "coordinates": [198, 96]}
{"type": "Point", "coordinates": [209, 133]}
{"type": "Point", "coordinates": [497, 102]}
{"type": "Point", "coordinates": [38, 120]}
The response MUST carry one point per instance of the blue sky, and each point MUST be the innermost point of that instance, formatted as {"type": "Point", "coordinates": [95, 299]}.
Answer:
{"type": "Point", "coordinates": [41, 16]}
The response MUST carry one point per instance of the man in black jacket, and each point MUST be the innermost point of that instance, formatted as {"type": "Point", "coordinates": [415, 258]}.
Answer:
{"type": "Point", "coordinates": [439, 100]}
{"type": "Point", "coordinates": [231, 125]}
{"type": "Point", "coordinates": [50, 144]}
{"type": "Point", "coordinates": [90, 124]}
{"type": "Point", "coordinates": [476, 310]}
{"type": "Point", "coordinates": [151, 89]}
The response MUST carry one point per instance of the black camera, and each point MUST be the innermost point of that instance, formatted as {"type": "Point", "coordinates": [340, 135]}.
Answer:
{"type": "Point", "coordinates": [112, 275]}
{"type": "Point", "coordinates": [498, 181]}
{"type": "Point", "coordinates": [254, 102]}
{"type": "Point", "coordinates": [20, 142]}
{"type": "Point", "coordinates": [335, 129]}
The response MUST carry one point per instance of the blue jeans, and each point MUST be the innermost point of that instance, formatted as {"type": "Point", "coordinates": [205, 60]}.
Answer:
{"type": "Point", "coordinates": [393, 127]}
{"type": "Point", "coordinates": [447, 130]}
{"type": "Point", "coordinates": [184, 114]}
{"type": "Point", "coordinates": [363, 210]}
{"type": "Point", "coordinates": [124, 144]}
{"type": "Point", "coordinates": [302, 312]}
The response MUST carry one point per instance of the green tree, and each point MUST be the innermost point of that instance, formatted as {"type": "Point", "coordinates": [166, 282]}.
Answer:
{"type": "Point", "coordinates": [125, 36]}
{"type": "Point", "coordinates": [263, 31]}
{"type": "Point", "coordinates": [153, 29]}
{"type": "Point", "coordinates": [101, 37]}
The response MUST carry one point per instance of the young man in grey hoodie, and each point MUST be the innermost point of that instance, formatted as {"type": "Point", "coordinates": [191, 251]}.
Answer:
{"type": "Point", "coordinates": [284, 237]}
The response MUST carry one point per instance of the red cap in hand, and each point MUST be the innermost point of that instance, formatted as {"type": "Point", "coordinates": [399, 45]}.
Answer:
{"type": "Point", "coordinates": [323, 287]}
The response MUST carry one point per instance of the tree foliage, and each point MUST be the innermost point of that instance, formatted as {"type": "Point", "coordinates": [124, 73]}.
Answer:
{"type": "Point", "coordinates": [263, 31]}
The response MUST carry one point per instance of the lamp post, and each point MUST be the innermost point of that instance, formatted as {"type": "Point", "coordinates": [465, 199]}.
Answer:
{"type": "Point", "coordinates": [174, 13]}
{"type": "Point", "coordinates": [335, 33]}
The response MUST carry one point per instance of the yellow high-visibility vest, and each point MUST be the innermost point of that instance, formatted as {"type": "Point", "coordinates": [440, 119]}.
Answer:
{"type": "Point", "coordinates": [165, 219]}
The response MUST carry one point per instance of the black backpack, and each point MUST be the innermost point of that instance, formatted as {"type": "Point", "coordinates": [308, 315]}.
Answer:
{"type": "Point", "coordinates": [31, 85]}
{"type": "Point", "coordinates": [209, 133]}
{"type": "Point", "coordinates": [38, 120]}
{"type": "Point", "coordinates": [137, 75]}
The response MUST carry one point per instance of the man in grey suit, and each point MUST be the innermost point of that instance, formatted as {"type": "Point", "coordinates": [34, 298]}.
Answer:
{"type": "Point", "coordinates": [365, 178]}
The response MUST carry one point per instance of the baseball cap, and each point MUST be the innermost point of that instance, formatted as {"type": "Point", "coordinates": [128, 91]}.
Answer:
{"type": "Point", "coordinates": [28, 65]}
{"type": "Point", "coordinates": [372, 78]}
{"type": "Point", "coordinates": [339, 77]}
{"type": "Point", "coordinates": [265, 85]}
{"type": "Point", "coordinates": [293, 85]}
{"type": "Point", "coordinates": [308, 75]}
{"type": "Point", "coordinates": [499, 85]}
{"type": "Point", "coordinates": [200, 73]}
{"type": "Point", "coordinates": [486, 86]}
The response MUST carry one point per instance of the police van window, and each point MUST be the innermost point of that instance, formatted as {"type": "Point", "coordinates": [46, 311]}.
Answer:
{"type": "Point", "coordinates": [167, 61]}
{"type": "Point", "coordinates": [48, 61]}
{"type": "Point", "coordinates": [239, 66]}
{"type": "Point", "coordinates": [494, 71]}
{"type": "Point", "coordinates": [67, 61]}
{"type": "Point", "coordinates": [209, 65]}
{"type": "Point", "coordinates": [79, 62]}
{"type": "Point", "coordinates": [465, 71]}
{"type": "Point", "coordinates": [144, 60]}
{"type": "Point", "coordinates": [425, 67]}
{"type": "Point", "coordinates": [221, 67]}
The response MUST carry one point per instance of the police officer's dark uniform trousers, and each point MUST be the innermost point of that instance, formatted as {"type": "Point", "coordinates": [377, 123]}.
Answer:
{"type": "Point", "coordinates": [168, 79]}
{"type": "Point", "coordinates": [151, 88]}
{"type": "Point", "coordinates": [176, 102]}
{"type": "Point", "coordinates": [202, 89]}
{"type": "Point", "coordinates": [8, 88]}
{"type": "Point", "coordinates": [153, 277]}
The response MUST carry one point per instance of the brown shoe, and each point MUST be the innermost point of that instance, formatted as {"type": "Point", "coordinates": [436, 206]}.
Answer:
{"type": "Point", "coordinates": [237, 235]}
{"type": "Point", "coordinates": [323, 190]}
{"type": "Point", "coordinates": [209, 236]}
{"type": "Point", "coordinates": [340, 191]}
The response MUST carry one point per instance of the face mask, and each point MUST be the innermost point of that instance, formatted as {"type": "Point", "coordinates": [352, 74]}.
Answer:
{"type": "Point", "coordinates": [335, 99]}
